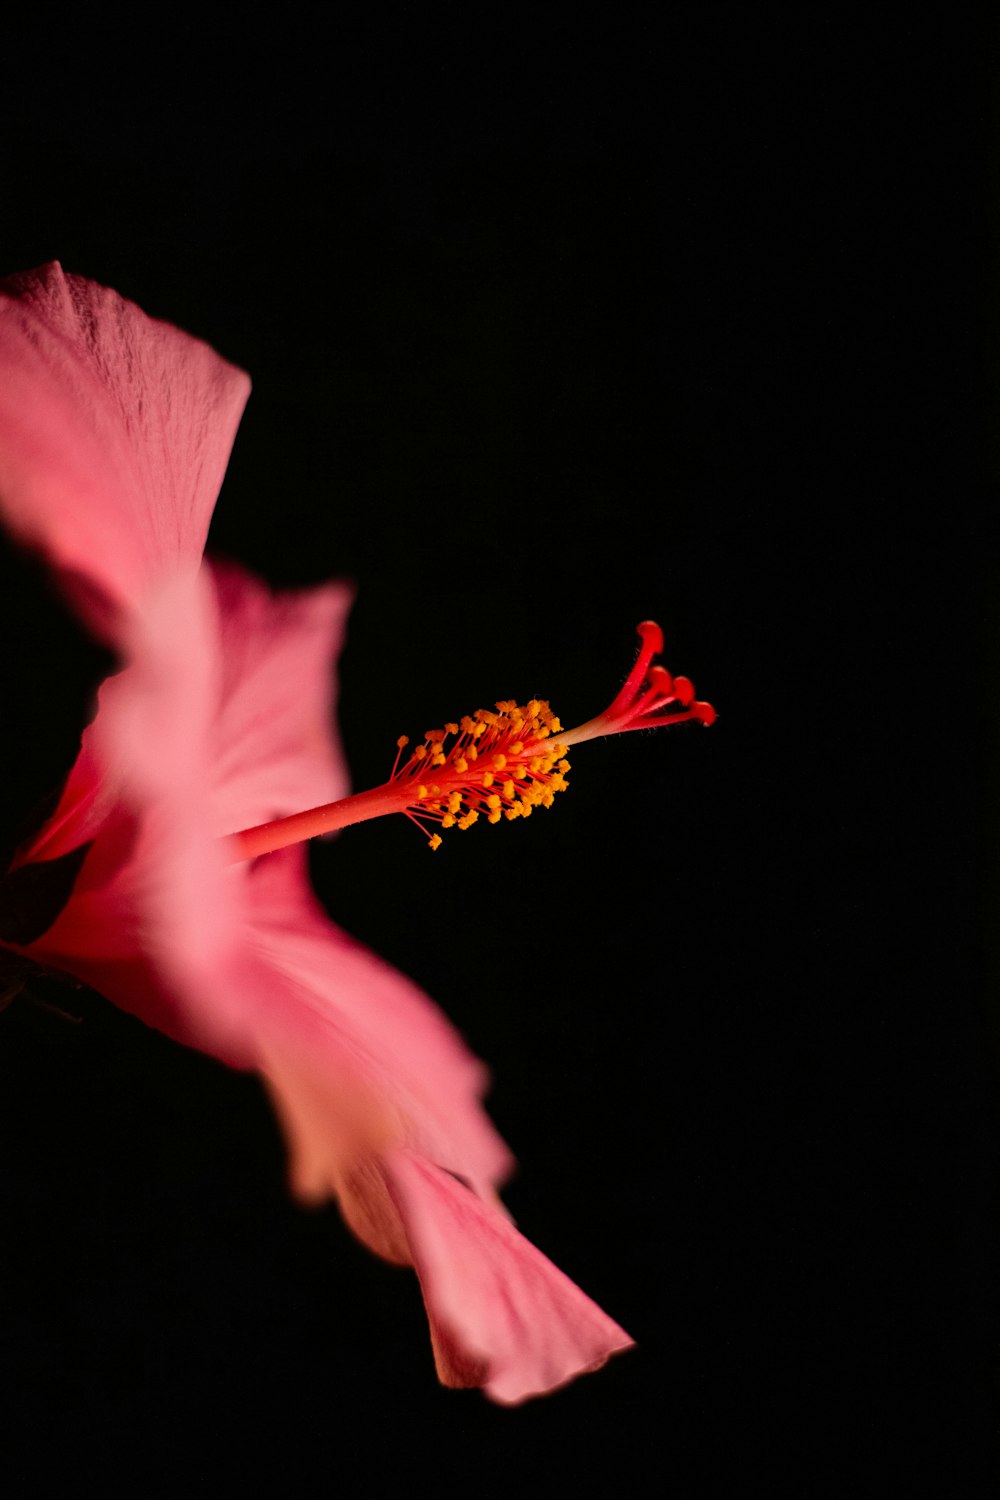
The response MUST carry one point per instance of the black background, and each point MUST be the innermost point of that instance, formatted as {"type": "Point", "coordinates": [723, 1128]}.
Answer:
{"type": "Point", "coordinates": [557, 323]}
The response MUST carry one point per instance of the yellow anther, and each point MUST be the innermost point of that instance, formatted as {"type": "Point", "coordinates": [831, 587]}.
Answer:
{"type": "Point", "coordinates": [523, 776]}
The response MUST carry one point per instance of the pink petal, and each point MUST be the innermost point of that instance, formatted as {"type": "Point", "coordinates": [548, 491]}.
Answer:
{"type": "Point", "coordinates": [502, 1315]}
{"type": "Point", "coordinates": [356, 1058]}
{"type": "Point", "coordinates": [360, 1065]}
{"type": "Point", "coordinates": [274, 748]}
{"type": "Point", "coordinates": [282, 991]}
{"type": "Point", "coordinates": [115, 432]}
{"type": "Point", "coordinates": [214, 713]}
{"type": "Point", "coordinates": [326, 991]}
{"type": "Point", "coordinates": [155, 736]}
{"type": "Point", "coordinates": [152, 901]}
{"type": "Point", "coordinates": [223, 719]}
{"type": "Point", "coordinates": [82, 810]}
{"type": "Point", "coordinates": [96, 940]}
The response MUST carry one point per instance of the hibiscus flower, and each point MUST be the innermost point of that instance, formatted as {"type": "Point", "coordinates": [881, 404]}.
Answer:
{"type": "Point", "coordinates": [209, 760]}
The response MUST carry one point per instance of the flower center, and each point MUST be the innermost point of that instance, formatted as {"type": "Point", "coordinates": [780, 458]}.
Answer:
{"type": "Point", "coordinates": [500, 764]}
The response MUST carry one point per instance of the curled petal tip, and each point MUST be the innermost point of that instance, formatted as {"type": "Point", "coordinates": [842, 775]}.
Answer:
{"type": "Point", "coordinates": [705, 712]}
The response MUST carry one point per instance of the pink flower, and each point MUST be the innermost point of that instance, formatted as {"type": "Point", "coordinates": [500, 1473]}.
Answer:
{"type": "Point", "coordinates": [114, 436]}
{"type": "Point", "coordinates": [116, 431]}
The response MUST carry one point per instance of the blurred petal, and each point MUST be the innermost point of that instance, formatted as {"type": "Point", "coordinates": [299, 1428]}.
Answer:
{"type": "Point", "coordinates": [272, 742]}
{"type": "Point", "coordinates": [115, 432]}
{"type": "Point", "coordinates": [82, 810]}
{"type": "Point", "coordinates": [326, 992]}
{"type": "Point", "coordinates": [274, 747]}
{"type": "Point", "coordinates": [224, 718]}
{"type": "Point", "coordinates": [152, 901]}
{"type": "Point", "coordinates": [502, 1315]}
{"type": "Point", "coordinates": [372, 1086]}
